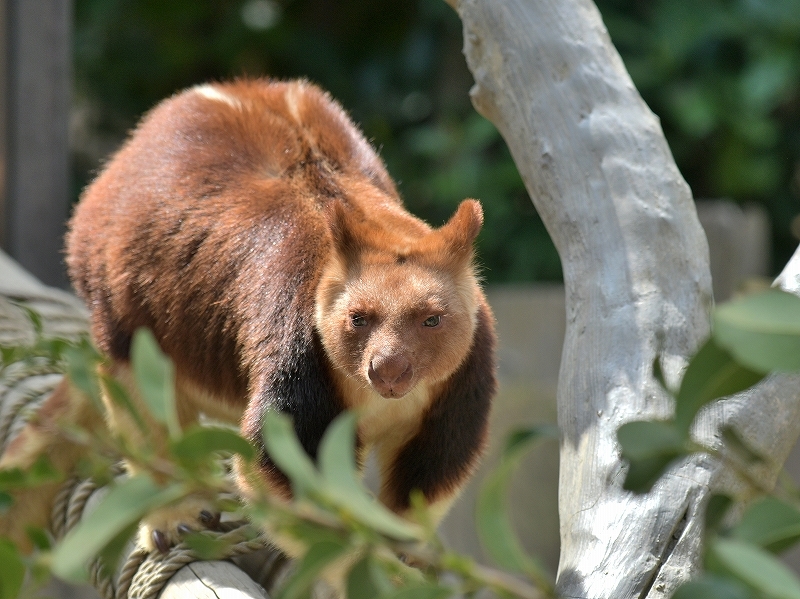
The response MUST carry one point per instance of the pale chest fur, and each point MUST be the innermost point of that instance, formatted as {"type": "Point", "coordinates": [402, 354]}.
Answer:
{"type": "Point", "coordinates": [385, 423]}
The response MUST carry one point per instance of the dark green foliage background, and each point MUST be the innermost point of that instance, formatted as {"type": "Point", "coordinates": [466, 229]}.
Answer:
{"type": "Point", "coordinates": [722, 75]}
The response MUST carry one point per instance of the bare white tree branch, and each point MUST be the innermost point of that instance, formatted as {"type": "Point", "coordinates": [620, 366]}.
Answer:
{"type": "Point", "coordinates": [635, 263]}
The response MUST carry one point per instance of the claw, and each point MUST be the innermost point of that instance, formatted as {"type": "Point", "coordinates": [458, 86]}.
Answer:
{"type": "Point", "coordinates": [160, 541]}
{"type": "Point", "coordinates": [210, 520]}
{"type": "Point", "coordinates": [184, 529]}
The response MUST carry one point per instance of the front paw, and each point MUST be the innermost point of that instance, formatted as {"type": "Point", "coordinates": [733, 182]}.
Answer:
{"type": "Point", "coordinates": [166, 527]}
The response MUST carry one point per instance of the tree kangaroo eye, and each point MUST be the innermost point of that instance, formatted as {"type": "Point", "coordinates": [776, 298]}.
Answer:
{"type": "Point", "coordinates": [358, 320]}
{"type": "Point", "coordinates": [432, 321]}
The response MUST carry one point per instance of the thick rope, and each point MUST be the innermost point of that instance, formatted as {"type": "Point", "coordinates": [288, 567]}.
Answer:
{"type": "Point", "coordinates": [150, 575]}
{"type": "Point", "coordinates": [23, 386]}
{"type": "Point", "coordinates": [143, 574]}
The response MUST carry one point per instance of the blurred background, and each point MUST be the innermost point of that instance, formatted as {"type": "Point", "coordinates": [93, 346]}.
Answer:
{"type": "Point", "coordinates": [397, 68]}
{"type": "Point", "coordinates": [723, 76]}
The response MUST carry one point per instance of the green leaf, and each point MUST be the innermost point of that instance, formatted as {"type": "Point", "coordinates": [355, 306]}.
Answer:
{"type": "Point", "coordinates": [124, 505]}
{"type": "Point", "coordinates": [769, 523]}
{"type": "Point", "coordinates": [716, 511]}
{"type": "Point", "coordinates": [285, 450]}
{"type": "Point", "coordinates": [6, 501]}
{"type": "Point", "coordinates": [206, 546]}
{"type": "Point", "coordinates": [112, 552]}
{"type": "Point", "coordinates": [366, 580]}
{"type": "Point", "coordinates": [41, 471]}
{"type": "Point", "coordinates": [308, 533]}
{"type": "Point", "coordinates": [658, 374]}
{"type": "Point", "coordinates": [119, 395]}
{"type": "Point", "coordinates": [7, 355]}
{"type": "Point", "coordinates": [310, 567]}
{"type": "Point", "coordinates": [155, 377]}
{"type": "Point", "coordinates": [521, 437]}
{"type": "Point", "coordinates": [712, 373]}
{"type": "Point", "coordinates": [38, 537]}
{"type": "Point", "coordinates": [12, 570]}
{"type": "Point", "coordinates": [13, 478]}
{"type": "Point", "coordinates": [761, 330]}
{"type": "Point", "coordinates": [81, 370]}
{"type": "Point", "coordinates": [494, 527]}
{"type": "Point", "coordinates": [649, 446]}
{"type": "Point", "coordinates": [644, 473]}
{"type": "Point", "coordinates": [201, 442]}
{"type": "Point", "coordinates": [337, 454]}
{"type": "Point", "coordinates": [375, 515]}
{"type": "Point", "coordinates": [338, 468]}
{"type": "Point", "coordinates": [53, 348]}
{"type": "Point", "coordinates": [713, 587]}
{"type": "Point", "coordinates": [643, 439]}
{"type": "Point", "coordinates": [755, 567]}
{"type": "Point", "coordinates": [33, 316]}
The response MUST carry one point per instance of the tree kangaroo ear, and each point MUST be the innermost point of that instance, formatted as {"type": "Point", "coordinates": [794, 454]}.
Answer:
{"type": "Point", "coordinates": [463, 227]}
{"type": "Point", "coordinates": [456, 236]}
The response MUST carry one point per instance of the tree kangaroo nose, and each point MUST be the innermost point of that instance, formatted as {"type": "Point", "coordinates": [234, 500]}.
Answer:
{"type": "Point", "coordinates": [390, 373]}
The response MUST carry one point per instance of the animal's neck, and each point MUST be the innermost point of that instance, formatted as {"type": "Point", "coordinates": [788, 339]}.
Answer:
{"type": "Point", "coordinates": [380, 418]}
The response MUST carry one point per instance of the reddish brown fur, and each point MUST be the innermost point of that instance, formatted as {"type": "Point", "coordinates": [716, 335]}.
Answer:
{"type": "Point", "coordinates": [247, 224]}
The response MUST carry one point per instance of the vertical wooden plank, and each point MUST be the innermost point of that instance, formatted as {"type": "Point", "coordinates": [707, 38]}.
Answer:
{"type": "Point", "coordinates": [37, 165]}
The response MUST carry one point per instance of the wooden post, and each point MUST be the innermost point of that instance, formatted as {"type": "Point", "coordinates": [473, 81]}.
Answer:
{"type": "Point", "coordinates": [37, 81]}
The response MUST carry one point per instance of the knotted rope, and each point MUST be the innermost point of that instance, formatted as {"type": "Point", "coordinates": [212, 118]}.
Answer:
{"type": "Point", "coordinates": [142, 574]}
{"type": "Point", "coordinates": [25, 385]}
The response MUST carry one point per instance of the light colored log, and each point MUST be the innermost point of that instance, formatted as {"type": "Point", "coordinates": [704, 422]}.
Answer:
{"type": "Point", "coordinates": [635, 263]}
{"type": "Point", "coordinates": [211, 580]}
